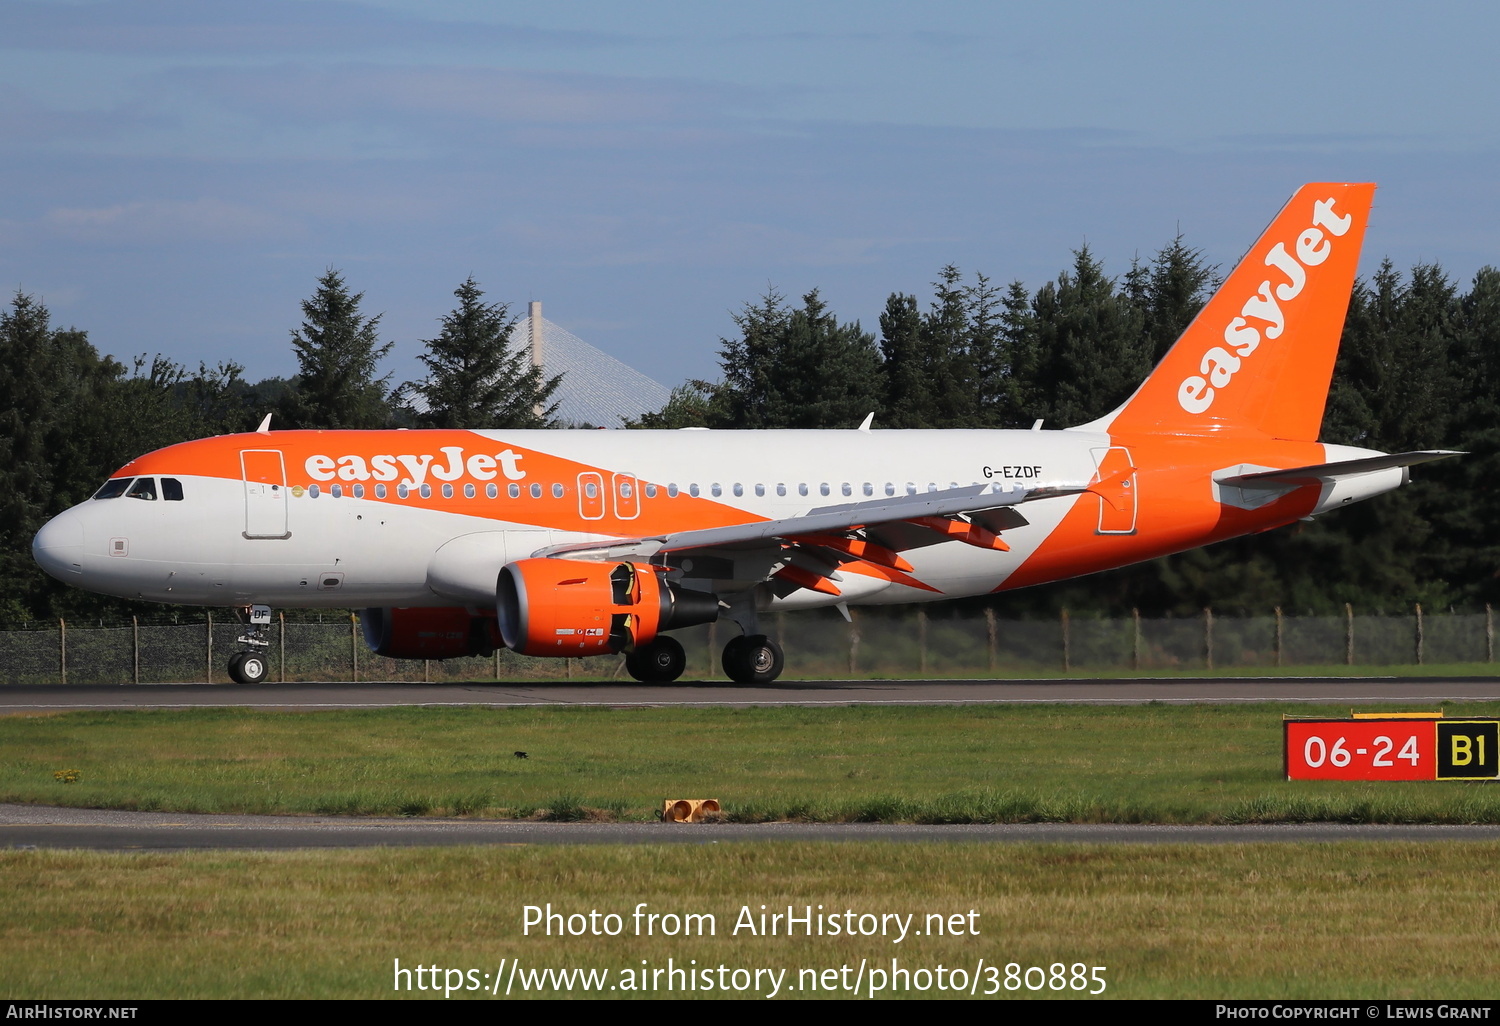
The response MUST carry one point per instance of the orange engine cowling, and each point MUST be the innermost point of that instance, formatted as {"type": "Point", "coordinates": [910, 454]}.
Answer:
{"type": "Point", "coordinates": [419, 632]}
{"type": "Point", "coordinates": [569, 607]}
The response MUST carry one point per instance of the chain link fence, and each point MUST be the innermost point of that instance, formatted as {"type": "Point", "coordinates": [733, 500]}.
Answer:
{"type": "Point", "coordinates": [880, 642]}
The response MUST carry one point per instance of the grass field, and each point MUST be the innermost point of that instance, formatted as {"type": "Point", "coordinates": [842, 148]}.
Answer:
{"type": "Point", "coordinates": [1359, 920]}
{"type": "Point", "coordinates": [1271, 921]}
{"type": "Point", "coordinates": [1153, 763]}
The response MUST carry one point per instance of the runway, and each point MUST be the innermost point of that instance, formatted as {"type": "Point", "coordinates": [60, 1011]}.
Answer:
{"type": "Point", "coordinates": [1174, 690]}
{"type": "Point", "coordinates": [35, 826]}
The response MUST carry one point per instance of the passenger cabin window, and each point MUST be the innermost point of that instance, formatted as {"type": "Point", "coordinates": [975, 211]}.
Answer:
{"type": "Point", "coordinates": [113, 489]}
{"type": "Point", "coordinates": [142, 488]}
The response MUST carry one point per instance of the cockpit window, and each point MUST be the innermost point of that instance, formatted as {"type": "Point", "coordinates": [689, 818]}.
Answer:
{"type": "Point", "coordinates": [113, 488]}
{"type": "Point", "coordinates": [143, 488]}
{"type": "Point", "coordinates": [171, 489]}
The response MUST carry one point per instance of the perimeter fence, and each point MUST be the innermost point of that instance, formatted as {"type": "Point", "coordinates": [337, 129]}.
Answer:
{"type": "Point", "coordinates": [880, 642]}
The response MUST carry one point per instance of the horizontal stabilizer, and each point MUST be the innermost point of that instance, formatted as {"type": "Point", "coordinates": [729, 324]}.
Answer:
{"type": "Point", "coordinates": [1333, 471]}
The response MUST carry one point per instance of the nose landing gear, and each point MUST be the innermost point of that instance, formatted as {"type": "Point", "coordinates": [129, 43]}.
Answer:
{"type": "Point", "coordinates": [252, 666]}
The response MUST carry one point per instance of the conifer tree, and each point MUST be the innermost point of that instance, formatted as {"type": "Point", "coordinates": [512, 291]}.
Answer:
{"type": "Point", "coordinates": [1090, 344]}
{"type": "Point", "coordinates": [945, 337]}
{"type": "Point", "coordinates": [829, 372]}
{"type": "Point", "coordinates": [753, 363]}
{"type": "Point", "coordinates": [796, 368]}
{"type": "Point", "coordinates": [338, 353]}
{"type": "Point", "coordinates": [990, 382]}
{"type": "Point", "coordinates": [907, 386]}
{"type": "Point", "coordinates": [476, 378]}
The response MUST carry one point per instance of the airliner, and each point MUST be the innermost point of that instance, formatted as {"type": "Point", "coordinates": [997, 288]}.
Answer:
{"type": "Point", "coordinates": [581, 543]}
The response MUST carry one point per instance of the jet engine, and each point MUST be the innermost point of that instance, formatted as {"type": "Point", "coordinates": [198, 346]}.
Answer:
{"type": "Point", "coordinates": [570, 607]}
{"type": "Point", "coordinates": [419, 632]}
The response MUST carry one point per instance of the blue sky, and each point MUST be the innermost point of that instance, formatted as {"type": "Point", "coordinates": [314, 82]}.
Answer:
{"type": "Point", "coordinates": [175, 174]}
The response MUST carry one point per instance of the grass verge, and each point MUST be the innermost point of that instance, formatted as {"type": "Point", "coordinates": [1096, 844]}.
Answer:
{"type": "Point", "coordinates": [1283, 921]}
{"type": "Point", "coordinates": [944, 764]}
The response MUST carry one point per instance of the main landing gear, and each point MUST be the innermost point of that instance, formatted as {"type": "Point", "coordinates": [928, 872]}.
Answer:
{"type": "Point", "coordinates": [748, 659]}
{"type": "Point", "coordinates": [252, 666]}
{"type": "Point", "coordinates": [660, 662]}
{"type": "Point", "coordinates": [753, 659]}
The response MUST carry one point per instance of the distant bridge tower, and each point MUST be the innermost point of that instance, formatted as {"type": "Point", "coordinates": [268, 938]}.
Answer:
{"type": "Point", "coordinates": [534, 319]}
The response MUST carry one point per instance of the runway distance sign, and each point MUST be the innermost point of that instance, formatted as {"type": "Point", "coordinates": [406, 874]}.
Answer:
{"type": "Point", "coordinates": [1395, 748]}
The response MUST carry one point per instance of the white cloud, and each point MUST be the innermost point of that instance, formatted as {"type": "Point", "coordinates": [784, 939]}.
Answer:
{"type": "Point", "coordinates": [169, 221]}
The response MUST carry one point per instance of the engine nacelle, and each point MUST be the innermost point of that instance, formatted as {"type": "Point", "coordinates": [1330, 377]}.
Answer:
{"type": "Point", "coordinates": [570, 607]}
{"type": "Point", "coordinates": [419, 632]}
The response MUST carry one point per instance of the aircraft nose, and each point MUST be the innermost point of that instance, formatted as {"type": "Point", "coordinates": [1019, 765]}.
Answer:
{"type": "Point", "coordinates": [58, 546]}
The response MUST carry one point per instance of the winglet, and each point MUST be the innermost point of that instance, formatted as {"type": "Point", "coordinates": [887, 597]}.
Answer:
{"type": "Point", "coordinates": [869, 419]}
{"type": "Point", "coordinates": [265, 426]}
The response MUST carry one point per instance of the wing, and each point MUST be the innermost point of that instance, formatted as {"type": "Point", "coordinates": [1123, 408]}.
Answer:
{"type": "Point", "coordinates": [805, 551]}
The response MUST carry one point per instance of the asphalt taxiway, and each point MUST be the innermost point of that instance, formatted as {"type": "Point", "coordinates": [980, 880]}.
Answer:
{"type": "Point", "coordinates": [36, 826]}
{"type": "Point", "coordinates": [1358, 690]}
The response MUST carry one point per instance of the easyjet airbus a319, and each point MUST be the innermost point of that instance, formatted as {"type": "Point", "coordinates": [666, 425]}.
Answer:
{"type": "Point", "coordinates": [578, 543]}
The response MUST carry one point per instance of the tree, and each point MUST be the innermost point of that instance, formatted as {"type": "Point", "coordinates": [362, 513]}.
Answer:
{"type": "Point", "coordinates": [752, 363]}
{"type": "Point", "coordinates": [338, 351]}
{"type": "Point", "coordinates": [908, 393]}
{"type": "Point", "coordinates": [476, 379]}
{"type": "Point", "coordinates": [694, 403]}
{"type": "Point", "coordinates": [989, 357]}
{"type": "Point", "coordinates": [1091, 351]}
{"type": "Point", "coordinates": [945, 335]}
{"type": "Point", "coordinates": [794, 368]}
{"type": "Point", "coordinates": [68, 418]}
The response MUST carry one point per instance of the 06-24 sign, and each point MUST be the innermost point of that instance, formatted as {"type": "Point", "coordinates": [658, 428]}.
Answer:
{"type": "Point", "coordinates": [1398, 748]}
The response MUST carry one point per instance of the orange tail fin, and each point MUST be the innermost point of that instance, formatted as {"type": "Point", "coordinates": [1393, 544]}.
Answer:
{"type": "Point", "coordinates": [1260, 354]}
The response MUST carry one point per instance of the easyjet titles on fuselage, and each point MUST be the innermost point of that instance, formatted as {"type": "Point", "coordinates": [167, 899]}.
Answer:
{"type": "Point", "coordinates": [1196, 394]}
{"type": "Point", "coordinates": [451, 466]}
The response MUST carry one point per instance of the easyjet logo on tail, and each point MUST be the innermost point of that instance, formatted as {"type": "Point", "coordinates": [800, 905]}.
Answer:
{"type": "Point", "coordinates": [1217, 369]}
